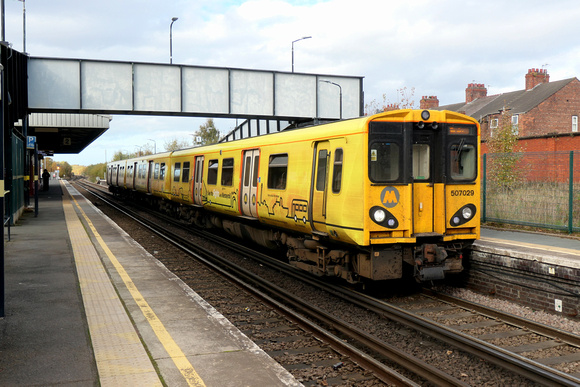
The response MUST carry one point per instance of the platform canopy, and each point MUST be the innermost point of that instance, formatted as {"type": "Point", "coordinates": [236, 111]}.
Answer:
{"type": "Point", "coordinates": [64, 132]}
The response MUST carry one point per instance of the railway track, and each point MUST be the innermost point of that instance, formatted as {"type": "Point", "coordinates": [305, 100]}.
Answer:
{"type": "Point", "coordinates": [536, 342]}
{"type": "Point", "coordinates": [410, 317]}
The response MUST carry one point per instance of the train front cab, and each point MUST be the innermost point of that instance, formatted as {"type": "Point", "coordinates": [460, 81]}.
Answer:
{"type": "Point", "coordinates": [423, 193]}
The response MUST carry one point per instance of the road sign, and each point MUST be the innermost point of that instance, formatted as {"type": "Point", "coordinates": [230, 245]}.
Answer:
{"type": "Point", "coordinates": [30, 142]}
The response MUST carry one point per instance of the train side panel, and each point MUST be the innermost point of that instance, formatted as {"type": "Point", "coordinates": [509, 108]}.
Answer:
{"type": "Point", "coordinates": [283, 185]}
{"type": "Point", "coordinates": [180, 178]}
{"type": "Point", "coordinates": [221, 180]}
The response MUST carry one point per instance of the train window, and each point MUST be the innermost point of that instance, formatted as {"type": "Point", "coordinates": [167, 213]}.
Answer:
{"type": "Point", "coordinates": [277, 171]}
{"type": "Point", "coordinates": [247, 171]}
{"type": "Point", "coordinates": [155, 171]}
{"type": "Point", "coordinates": [255, 177]}
{"type": "Point", "coordinates": [177, 172]}
{"type": "Point", "coordinates": [321, 170]}
{"type": "Point", "coordinates": [161, 171]}
{"type": "Point", "coordinates": [337, 171]}
{"type": "Point", "coordinates": [384, 162]}
{"type": "Point", "coordinates": [212, 172]}
{"type": "Point", "coordinates": [228, 171]}
{"type": "Point", "coordinates": [185, 176]}
{"type": "Point", "coordinates": [463, 161]}
{"type": "Point", "coordinates": [421, 161]}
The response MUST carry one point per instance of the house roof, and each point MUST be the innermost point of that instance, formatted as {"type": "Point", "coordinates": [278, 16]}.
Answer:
{"type": "Point", "coordinates": [520, 101]}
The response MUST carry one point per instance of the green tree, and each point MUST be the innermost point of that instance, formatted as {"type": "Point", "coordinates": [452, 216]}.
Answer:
{"type": "Point", "coordinates": [65, 169]}
{"type": "Point", "coordinates": [404, 101]}
{"type": "Point", "coordinates": [208, 133]}
{"type": "Point", "coordinates": [94, 171]}
{"type": "Point", "coordinates": [120, 155]}
{"type": "Point", "coordinates": [175, 144]}
{"type": "Point", "coordinates": [504, 167]}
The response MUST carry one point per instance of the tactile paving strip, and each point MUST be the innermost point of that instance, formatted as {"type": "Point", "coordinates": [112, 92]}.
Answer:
{"type": "Point", "coordinates": [120, 356]}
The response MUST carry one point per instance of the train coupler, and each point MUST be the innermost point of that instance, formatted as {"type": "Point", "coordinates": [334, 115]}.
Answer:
{"type": "Point", "coordinates": [430, 262]}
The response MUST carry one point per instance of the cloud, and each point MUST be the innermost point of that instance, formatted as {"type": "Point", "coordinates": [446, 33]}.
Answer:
{"type": "Point", "coordinates": [436, 47]}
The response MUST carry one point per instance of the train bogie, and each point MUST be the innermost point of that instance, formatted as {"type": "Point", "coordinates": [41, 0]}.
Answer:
{"type": "Point", "coordinates": [358, 199]}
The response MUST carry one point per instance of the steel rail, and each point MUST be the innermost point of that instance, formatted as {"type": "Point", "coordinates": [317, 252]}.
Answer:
{"type": "Point", "coordinates": [234, 274]}
{"type": "Point", "coordinates": [518, 364]}
{"type": "Point", "coordinates": [566, 337]}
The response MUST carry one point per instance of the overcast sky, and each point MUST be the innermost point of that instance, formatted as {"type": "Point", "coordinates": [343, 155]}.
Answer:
{"type": "Point", "coordinates": [431, 47]}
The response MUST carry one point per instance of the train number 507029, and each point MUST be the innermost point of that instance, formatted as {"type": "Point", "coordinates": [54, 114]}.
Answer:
{"type": "Point", "coordinates": [464, 192]}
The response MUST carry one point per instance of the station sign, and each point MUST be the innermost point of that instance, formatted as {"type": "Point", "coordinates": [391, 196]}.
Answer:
{"type": "Point", "coordinates": [30, 142]}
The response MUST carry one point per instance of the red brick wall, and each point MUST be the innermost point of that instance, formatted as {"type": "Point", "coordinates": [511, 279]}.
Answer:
{"type": "Point", "coordinates": [547, 144]}
{"type": "Point", "coordinates": [554, 115]}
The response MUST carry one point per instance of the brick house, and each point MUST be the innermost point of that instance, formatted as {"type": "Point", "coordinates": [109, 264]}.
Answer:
{"type": "Point", "coordinates": [545, 114]}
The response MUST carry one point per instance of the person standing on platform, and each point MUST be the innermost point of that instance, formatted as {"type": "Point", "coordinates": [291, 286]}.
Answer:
{"type": "Point", "coordinates": [45, 177]}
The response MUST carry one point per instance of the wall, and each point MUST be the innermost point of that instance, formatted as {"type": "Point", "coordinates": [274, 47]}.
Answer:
{"type": "Point", "coordinates": [554, 115]}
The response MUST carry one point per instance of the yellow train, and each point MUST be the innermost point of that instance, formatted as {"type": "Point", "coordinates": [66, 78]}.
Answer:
{"type": "Point", "coordinates": [366, 198]}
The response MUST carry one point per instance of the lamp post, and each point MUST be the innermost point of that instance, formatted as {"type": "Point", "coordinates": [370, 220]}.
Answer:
{"type": "Point", "coordinates": [173, 19]}
{"type": "Point", "coordinates": [154, 145]}
{"type": "Point", "coordinates": [23, 26]}
{"type": "Point", "coordinates": [340, 91]}
{"type": "Point", "coordinates": [306, 37]}
{"type": "Point", "coordinates": [140, 148]}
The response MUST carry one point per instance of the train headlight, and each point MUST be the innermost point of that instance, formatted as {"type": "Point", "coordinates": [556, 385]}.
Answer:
{"type": "Point", "coordinates": [463, 215]}
{"type": "Point", "coordinates": [425, 115]}
{"type": "Point", "coordinates": [380, 216]}
{"type": "Point", "coordinates": [467, 213]}
{"type": "Point", "coordinates": [383, 217]}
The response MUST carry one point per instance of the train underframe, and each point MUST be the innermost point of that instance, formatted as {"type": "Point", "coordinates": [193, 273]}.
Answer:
{"type": "Point", "coordinates": [427, 260]}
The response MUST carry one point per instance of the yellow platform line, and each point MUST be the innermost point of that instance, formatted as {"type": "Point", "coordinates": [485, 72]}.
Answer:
{"type": "Point", "coordinates": [173, 350]}
{"type": "Point", "coordinates": [119, 354]}
{"type": "Point", "coordinates": [532, 246]}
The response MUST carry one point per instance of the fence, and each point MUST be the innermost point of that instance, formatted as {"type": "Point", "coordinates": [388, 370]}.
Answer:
{"type": "Point", "coordinates": [540, 189]}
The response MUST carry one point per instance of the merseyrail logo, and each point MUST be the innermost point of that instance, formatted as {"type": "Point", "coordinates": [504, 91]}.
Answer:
{"type": "Point", "coordinates": [390, 197]}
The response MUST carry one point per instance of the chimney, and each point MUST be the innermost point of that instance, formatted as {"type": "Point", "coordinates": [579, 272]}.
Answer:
{"type": "Point", "coordinates": [475, 91]}
{"type": "Point", "coordinates": [390, 107]}
{"type": "Point", "coordinates": [534, 77]}
{"type": "Point", "coordinates": [429, 102]}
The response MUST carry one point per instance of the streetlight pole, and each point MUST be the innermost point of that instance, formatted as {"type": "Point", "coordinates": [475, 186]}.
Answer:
{"type": "Point", "coordinates": [340, 91]}
{"type": "Point", "coordinates": [173, 19]}
{"type": "Point", "coordinates": [23, 26]}
{"type": "Point", "coordinates": [306, 37]}
{"type": "Point", "coordinates": [154, 145]}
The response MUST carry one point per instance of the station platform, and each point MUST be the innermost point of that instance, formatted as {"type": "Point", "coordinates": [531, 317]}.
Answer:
{"type": "Point", "coordinates": [86, 305]}
{"type": "Point", "coordinates": [548, 249]}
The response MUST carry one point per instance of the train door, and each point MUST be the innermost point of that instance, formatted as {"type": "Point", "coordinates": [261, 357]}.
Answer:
{"type": "Point", "coordinates": [426, 162]}
{"type": "Point", "coordinates": [134, 175]}
{"type": "Point", "coordinates": [116, 175]}
{"type": "Point", "coordinates": [150, 177]}
{"type": "Point", "coordinates": [319, 186]}
{"type": "Point", "coordinates": [198, 180]}
{"type": "Point", "coordinates": [250, 182]}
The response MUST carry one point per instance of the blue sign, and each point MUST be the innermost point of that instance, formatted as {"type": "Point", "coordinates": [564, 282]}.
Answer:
{"type": "Point", "coordinates": [30, 142]}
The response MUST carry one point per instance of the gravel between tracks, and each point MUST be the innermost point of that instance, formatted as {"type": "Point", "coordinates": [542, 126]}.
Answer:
{"type": "Point", "coordinates": [473, 372]}
{"type": "Point", "coordinates": [551, 319]}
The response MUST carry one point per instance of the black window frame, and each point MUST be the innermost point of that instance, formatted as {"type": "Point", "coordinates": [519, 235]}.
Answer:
{"type": "Point", "coordinates": [212, 171]}
{"type": "Point", "coordinates": [227, 178]}
{"type": "Point", "coordinates": [176, 172]}
{"type": "Point", "coordinates": [337, 170]}
{"type": "Point", "coordinates": [185, 172]}
{"type": "Point", "coordinates": [278, 171]}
